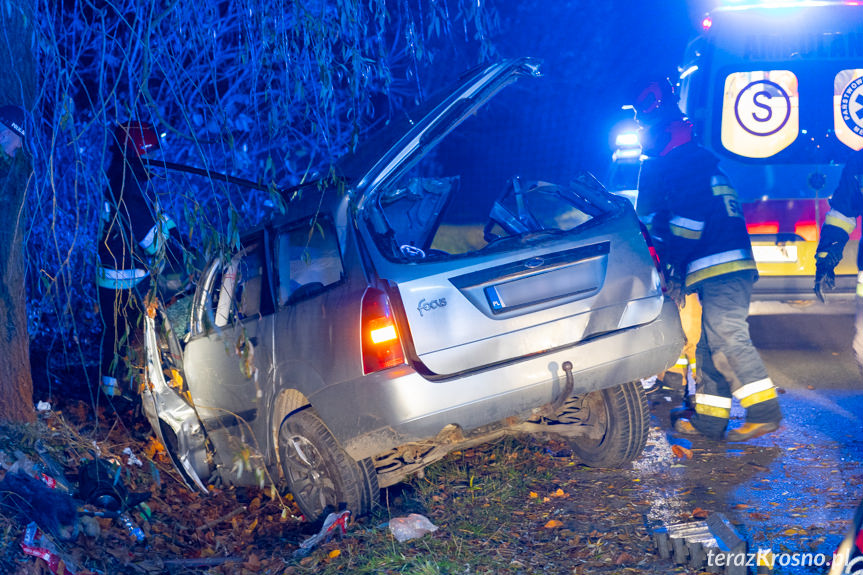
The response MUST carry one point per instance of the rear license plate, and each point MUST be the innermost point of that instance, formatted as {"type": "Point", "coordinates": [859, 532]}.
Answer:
{"type": "Point", "coordinates": [775, 254]}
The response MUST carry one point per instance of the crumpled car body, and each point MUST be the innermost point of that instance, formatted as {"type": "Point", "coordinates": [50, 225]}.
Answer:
{"type": "Point", "coordinates": [404, 310]}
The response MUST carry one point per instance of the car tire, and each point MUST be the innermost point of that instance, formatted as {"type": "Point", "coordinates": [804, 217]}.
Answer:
{"type": "Point", "coordinates": [321, 476]}
{"type": "Point", "coordinates": [623, 416]}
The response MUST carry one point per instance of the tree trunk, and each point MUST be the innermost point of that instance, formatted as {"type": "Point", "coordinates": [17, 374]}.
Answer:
{"type": "Point", "coordinates": [17, 87]}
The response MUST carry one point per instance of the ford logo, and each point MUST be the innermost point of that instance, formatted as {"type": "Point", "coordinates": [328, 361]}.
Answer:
{"type": "Point", "coordinates": [533, 263]}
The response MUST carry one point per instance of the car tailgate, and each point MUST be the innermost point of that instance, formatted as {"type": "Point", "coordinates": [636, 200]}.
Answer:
{"type": "Point", "coordinates": [551, 294]}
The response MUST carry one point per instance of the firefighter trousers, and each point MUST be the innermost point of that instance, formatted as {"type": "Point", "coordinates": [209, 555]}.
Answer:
{"type": "Point", "coordinates": [121, 311]}
{"type": "Point", "coordinates": [728, 362]}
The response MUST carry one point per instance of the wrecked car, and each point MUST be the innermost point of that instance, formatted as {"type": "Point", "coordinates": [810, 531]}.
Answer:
{"type": "Point", "coordinates": [402, 311]}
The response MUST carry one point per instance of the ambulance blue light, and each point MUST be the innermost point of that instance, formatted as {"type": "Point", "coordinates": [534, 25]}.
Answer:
{"type": "Point", "coordinates": [627, 140]}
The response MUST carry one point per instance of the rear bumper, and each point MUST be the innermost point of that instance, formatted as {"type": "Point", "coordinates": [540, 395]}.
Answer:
{"type": "Point", "coordinates": [399, 406]}
{"type": "Point", "coordinates": [798, 292]}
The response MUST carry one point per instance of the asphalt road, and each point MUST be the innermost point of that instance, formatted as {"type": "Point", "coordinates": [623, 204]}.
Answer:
{"type": "Point", "coordinates": [792, 491]}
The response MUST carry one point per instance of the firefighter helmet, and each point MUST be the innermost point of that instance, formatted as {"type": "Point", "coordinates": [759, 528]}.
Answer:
{"type": "Point", "coordinates": [13, 118]}
{"type": "Point", "coordinates": [655, 99]}
{"type": "Point", "coordinates": [140, 136]}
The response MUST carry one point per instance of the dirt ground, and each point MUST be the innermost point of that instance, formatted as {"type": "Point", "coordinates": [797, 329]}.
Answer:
{"type": "Point", "coordinates": [522, 505]}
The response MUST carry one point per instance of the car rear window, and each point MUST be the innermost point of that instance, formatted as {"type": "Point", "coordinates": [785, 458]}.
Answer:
{"type": "Point", "coordinates": [482, 183]}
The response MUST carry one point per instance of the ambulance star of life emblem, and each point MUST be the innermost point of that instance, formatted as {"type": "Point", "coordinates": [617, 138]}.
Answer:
{"type": "Point", "coordinates": [851, 106]}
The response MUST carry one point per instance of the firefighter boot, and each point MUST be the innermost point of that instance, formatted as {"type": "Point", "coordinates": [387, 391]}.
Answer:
{"type": "Point", "coordinates": [752, 430]}
{"type": "Point", "coordinates": [685, 427]}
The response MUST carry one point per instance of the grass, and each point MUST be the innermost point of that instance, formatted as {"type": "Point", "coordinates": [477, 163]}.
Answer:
{"type": "Point", "coordinates": [466, 495]}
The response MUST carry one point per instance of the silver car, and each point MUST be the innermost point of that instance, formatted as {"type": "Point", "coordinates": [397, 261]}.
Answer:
{"type": "Point", "coordinates": [401, 311]}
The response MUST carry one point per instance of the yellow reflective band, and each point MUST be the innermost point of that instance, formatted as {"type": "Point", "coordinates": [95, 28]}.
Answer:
{"type": "Point", "coordinates": [724, 191]}
{"type": "Point", "coordinates": [684, 233]}
{"type": "Point", "coordinates": [685, 227]}
{"type": "Point", "coordinates": [841, 221]}
{"type": "Point", "coordinates": [687, 223]}
{"type": "Point", "coordinates": [859, 290]}
{"type": "Point", "coordinates": [719, 258]}
{"type": "Point", "coordinates": [759, 397]}
{"type": "Point", "coordinates": [753, 387]}
{"type": "Point", "coordinates": [712, 411]}
{"type": "Point", "coordinates": [718, 270]}
{"type": "Point", "coordinates": [713, 400]}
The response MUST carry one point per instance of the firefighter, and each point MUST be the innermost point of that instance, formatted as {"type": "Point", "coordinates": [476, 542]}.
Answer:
{"type": "Point", "coordinates": [136, 240]}
{"type": "Point", "coordinates": [845, 205]}
{"type": "Point", "coordinates": [698, 229]}
{"type": "Point", "coordinates": [676, 378]}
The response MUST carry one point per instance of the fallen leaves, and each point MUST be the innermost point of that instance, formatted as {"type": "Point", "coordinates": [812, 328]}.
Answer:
{"type": "Point", "coordinates": [681, 452]}
{"type": "Point", "coordinates": [553, 524]}
{"type": "Point", "coordinates": [699, 513]}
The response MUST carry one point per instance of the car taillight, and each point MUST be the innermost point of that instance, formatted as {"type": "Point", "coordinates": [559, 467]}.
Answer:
{"type": "Point", "coordinates": [382, 347]}
{"type": "Point", "coordinates": [765, 228]}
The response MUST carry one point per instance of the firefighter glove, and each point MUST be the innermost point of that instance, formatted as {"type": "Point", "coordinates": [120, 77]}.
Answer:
{"type": "Point", "coordinates": [674, 285]}
{"type": "Point", "coordinates": [825, 279]}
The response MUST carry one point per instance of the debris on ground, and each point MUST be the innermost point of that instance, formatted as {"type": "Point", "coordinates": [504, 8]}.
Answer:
{"type": "Point", "coordinates": [39, 545]}
{"type": "Point", "coordinates": [411, 527]}
{"type": "Point", "coordinates": [335, 525]}
{"type": "Point", "coordinates": [26, 499]}
{"type": "Point", "coordinates": [709, 544]}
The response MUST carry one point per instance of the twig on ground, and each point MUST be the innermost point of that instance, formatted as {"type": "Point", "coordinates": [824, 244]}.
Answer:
{"type": "Point", "coordinates": [214, 522]}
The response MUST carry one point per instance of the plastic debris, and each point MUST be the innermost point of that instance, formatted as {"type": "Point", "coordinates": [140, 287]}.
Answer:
{"type": "Point", "coordinates": [411, 527]}
{"type": "Point", "coordinates": [37, 544]}
{"type": "Point", "coordinates": [334, 525]}
{"type": "Point", "coordinates": [129, 525]}
{"type": "Point", "coordinates": [43, 406]}
{"type": "Point", "coordinates": [132, 459]}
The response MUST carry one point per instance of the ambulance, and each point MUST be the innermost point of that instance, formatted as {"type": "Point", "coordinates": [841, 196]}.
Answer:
{"type": "Point", "coordinates": [775, 90]}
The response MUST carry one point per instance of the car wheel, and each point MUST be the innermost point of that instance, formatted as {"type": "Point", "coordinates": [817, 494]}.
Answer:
{"type": "Point", "coordinates": [622, 417]}
{"type": "Point", "coordinates": [321, 476]}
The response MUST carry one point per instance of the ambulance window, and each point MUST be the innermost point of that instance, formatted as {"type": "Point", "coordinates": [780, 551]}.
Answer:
{"type": "Point", "coordinates": [848, 107]}
{"type": "Point", "coordinates": [760, 116]}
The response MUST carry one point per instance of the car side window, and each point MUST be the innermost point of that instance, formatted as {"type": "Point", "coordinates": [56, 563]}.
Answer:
{"type": "Point", "coordinates": [307, 258]}
{"type": "Point", "coordinates": [238, 294]}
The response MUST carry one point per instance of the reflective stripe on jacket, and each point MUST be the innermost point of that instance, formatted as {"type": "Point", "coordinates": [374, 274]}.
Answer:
{"type": "Point", "coordinates": [157, 235]}
{"type": "Point", "coordinates": [119, 279]}
{"type": "Point", "coordinates": [693, 214]}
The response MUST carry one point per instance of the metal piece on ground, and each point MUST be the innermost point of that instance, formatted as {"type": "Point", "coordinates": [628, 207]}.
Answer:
{"type": "Point", "coordinates": [712, 544]}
